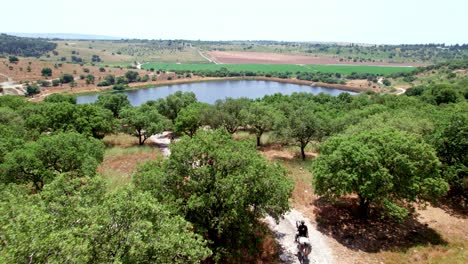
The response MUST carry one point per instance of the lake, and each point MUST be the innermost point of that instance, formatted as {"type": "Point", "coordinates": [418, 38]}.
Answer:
{"type": "Point", "coordinates": [209, 92]}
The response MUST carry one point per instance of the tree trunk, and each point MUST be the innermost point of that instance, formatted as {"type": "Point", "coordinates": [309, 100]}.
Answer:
{"type": "Point", "coordinates": [258, 141]}
{"type": "Point", "coordinates": [140, 142]}
{"type": "Point", "coordinates": [363, 207]}
{"type": "Point", "coordinates": [303, 152]}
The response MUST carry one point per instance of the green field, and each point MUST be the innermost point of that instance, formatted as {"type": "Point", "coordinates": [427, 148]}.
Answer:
{"type": "Point", "coordinates": [343, 69]}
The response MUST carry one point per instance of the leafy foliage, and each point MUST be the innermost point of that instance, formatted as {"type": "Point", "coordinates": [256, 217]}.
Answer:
{"type": "Point", "coordinates": [173, 104]}
{"type": "Point", "coordinates": [381, 166]}
{"type": "Point", "coordinates": [220, 185]}
{"type": "Point", "coordinates": [113, 102]}
{"type": "Point", "coordinates": [26, 47]}
{"type": "Point", "coordinates": [39, 162]}
{"type": "Point", "coordinates": [143, 122]}
{"type": "Point", "coordinates": [261, 118]}
{"type": "Point", "coordinates": [74, 219]}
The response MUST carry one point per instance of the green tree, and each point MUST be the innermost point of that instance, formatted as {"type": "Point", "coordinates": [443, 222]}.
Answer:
{"type": "Point", "coordinates": [66, 78]}
{"type": "Point", "coordinates": [46, 72]}
{"type": "Point", "coordinates": [261, 118]}
{"type": "Point", "coordinates": [60, 98]}
{"type": "Point", "coordinates": [32, 89]}
{"type": "Point", "coordinates": [113, 102]}
{"type": "Point", "coordinates": [450, 139]}
{"type": "Point", "coordinates": [143, 122]}
{"type": "Point", "coordinates": [221, 185]}
{"type": "Point", "coordinates": [382, 167]}
{"type": "Point", "coordinates": [77, 221]}
{"type": "Point", "coordinates": [89, 79]}
{"type": "Point", "coordinates": [39, 162]}
{"type": "Point", "coordinates": [13, 59]}
{"type": "Point", "coordinates": [305, 125]}
{"type": "Point", "coordinates": [88, 119]}
{"type": "Point", "coordinates": [131, 76]}
{"type": "Point", "coordinates": [174, 103]}
{"type": "Point", "coordinates": [229, 112]}
{"type": "Point", "coordinates": [119, 87]}
{"type": "Point", "coordinates": [191, 118]}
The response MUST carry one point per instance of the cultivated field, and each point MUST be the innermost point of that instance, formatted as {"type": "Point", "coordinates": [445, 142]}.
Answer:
{"type": "Point", "coordinates": [240, 57]}
{"type": "Point", "coordinates": [343, 69]}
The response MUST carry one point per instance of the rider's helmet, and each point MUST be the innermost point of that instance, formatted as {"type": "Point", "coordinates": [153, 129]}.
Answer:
{"type": "Point", "coordinates": [302, 222]}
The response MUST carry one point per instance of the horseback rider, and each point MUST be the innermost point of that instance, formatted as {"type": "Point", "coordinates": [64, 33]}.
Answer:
{"type": "Point", "coordinates": [302, 230]}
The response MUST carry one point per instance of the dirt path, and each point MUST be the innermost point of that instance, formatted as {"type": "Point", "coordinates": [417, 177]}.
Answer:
{"type": "Point", "coordinates": [162, 141]}
{"type": "Point", "coordinates": [9, 87]}
{"type": "Point", "coordinates": [400, 91]}
{"type": "Point", "coordinates": [204, 56]}
{"type": "Point", "coordinates": [285, 232]}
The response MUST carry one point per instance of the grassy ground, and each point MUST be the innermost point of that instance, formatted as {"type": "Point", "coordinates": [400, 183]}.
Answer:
{"type": "Point", "coordinates": [122, 157]}
{"type": "Point", "coordinates": [343, 69]}
{"type": "Point", "coordinates": [122, 53]}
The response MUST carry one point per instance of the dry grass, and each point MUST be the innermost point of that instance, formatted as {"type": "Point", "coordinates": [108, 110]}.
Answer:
{"type": "Point", "coordinates": [441, 237]}
{"type": "Point", "coordinates": [122, 157]}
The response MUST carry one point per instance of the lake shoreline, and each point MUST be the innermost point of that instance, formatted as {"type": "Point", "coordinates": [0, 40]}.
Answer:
{"type": "Point", "coordinates": [196, 79]}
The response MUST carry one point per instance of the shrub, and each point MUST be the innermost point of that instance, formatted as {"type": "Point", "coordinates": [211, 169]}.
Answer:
{"type": "Point", "coordinates": [66, 78]}
{"type": "Point", "coordinates": [119, 87]}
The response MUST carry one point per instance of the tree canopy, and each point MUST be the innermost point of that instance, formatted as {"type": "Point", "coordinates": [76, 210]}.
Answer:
{"type": "Point", "coordinates": [143, 122]}
{"type": "Point", "coordinates": [174, 103]}
{"type": "Point", "coordinates": [220, 185]}
{"type": "Point", "coordinates": [76, 220]}
{"type": "Point", "coordinates": [40, 161]}
{"type": "Point", "coordinates": [384, 167]}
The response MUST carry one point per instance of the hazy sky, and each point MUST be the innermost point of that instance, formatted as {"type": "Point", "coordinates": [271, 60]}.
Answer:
{"type": "Point", "coordinates": [364, 21]}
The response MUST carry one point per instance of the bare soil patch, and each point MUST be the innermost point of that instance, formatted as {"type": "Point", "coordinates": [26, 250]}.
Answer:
{"type": "Point", "coordinates": [242, 57]}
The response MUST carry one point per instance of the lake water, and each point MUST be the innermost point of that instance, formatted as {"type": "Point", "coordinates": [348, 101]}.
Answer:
{"type": "Point", "coordinates": [209, 92]}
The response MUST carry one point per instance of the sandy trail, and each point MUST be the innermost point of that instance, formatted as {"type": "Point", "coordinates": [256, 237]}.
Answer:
{"type": "Point", "coordinates": [162, 141]}
{"type": "Point", "coordinates": [400, 91]}
{"type": "Point", "coordinates": [285, 232]}
{"type": "Point", "coordinates": [204, 56]}
{"type": "Point", "coordinates": [9, 87]}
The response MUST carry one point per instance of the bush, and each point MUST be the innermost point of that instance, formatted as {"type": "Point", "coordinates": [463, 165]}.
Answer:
{"type": "Point", "coordinates": [66, 78]}
{"type": "Point", "coordinates": [119, 87]}
{"type": "Point", "coordinates": [86, 70]}
{"type": "Point", "coordinates": [102, 69]}
{"type": "Point", "coordinates": [32, 89]}
{"type": "Point", "coordinates": [103, 83]}
{"type": "Point", "coordinates": [43, 83]}
{"type": "Point", "coordinates": [46, 72]}
{"type": "Point", "coordinates": [13, 59]}
{"type": "Point", "coordinates": [55, 82]}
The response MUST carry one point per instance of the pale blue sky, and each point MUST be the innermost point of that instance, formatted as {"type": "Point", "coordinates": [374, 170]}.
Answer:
{"type": "Point", "coordinates": [364, 21]}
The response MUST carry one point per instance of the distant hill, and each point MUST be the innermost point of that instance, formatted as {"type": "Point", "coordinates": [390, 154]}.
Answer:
{"type": "Point", "coordinates": [64, 36]}
{"type": "Point", "coordinates": [27, 47]}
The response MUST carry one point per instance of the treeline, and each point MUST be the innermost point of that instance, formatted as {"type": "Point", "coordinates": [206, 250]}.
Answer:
{"type": "Point", "coordinates": [450, 65]}
{"type": "Point", "coordinates": [203, 203]}
{"type": "Point", "coordinates": [27, 47]}
{"type": "Point", "coordinates": [325, 77]}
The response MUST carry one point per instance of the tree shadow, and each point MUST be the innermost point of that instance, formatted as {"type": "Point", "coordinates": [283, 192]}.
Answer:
{"type": "Point", "coordinates": [454, 203]}
{"type": "Point", "coordinates": [340, 221]}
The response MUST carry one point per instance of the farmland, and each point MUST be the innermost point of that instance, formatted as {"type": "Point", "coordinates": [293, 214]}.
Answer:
{"type": "Point", "coordinates": [342, 69]}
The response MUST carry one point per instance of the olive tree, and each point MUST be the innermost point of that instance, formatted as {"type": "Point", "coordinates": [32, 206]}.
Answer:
{"type": "Point", "coordinates": [143, 122]}
{"type": "Point", "coordinates": [39, 162]}
{"type": "Point", "coordinates": [77, 220]}
{"type": "Point", "coordinates": [221, 185]}
{"type": "Point", "coordinates": [383, 167]}
{"type": "Point", "coordinates": [260, 118]}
